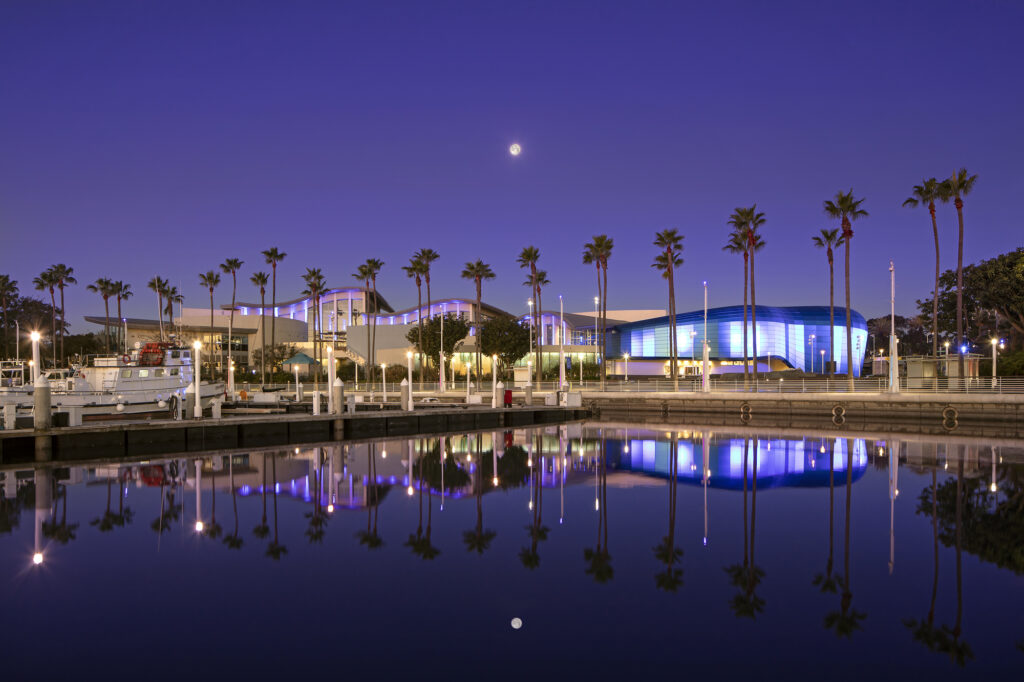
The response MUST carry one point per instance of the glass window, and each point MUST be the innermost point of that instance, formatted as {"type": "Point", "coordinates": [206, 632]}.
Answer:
{"type": "Point", "coordinates": [174, 371]}
{"type": "Point", "coordinates": [175, 354]}
{"type": "Point", "coordinates": [158, 372]}
{"type": "Point", "coordinates": [126, 373]}
{"type": "Point", "coordinates": [143, 373]}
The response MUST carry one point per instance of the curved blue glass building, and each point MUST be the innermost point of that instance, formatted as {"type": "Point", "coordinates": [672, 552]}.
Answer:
{"type": "Point", "coordinates": [796, 336]}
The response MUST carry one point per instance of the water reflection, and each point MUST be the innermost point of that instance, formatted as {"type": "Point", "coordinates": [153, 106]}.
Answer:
{"type": "Point", "coordinates": [968, 502]}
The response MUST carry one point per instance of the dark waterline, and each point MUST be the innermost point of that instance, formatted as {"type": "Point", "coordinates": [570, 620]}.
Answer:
{"type": "Point", "coordinates": [357, 568]}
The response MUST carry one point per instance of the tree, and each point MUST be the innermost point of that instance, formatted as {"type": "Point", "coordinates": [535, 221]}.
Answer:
{"type": "Point", "coordinates": [172, 296]}
{"type": "Point", "coordinates": [315, 286]}
{"type": "Point", "coordinates": [47, 280]}
{"type": "Point", "coordinates": [527, 260]}
{"type": "Point", "coordinates": [954, 189]}
{"type": "Point", "coordinates": [416, 269]}
{"type": "Point", "coordinates": [829, 240]}
{"type": "Point", "coordinates": [260, 280]}
{"type": "Point", "coordinates": [367, 272]}
{"type": "Point", "coordinates": [158, 285]}
{"type": "Point", "coordinates": [64, 276]}
{"type": "Point", "coordinates": [231, 266]}
{"type": "Point", "coordinates": [598, 251]}
{"type": "Point", "coordinates": [669, 258]}
{"type": "Point", "coordinates": [925, 194]}
{"type": "Point", "coordinates": [105, 288]}
{"type": "Point", "coordinates": [8, 292]}
{"type": "Point", "coordinates": [738, 244]}
{"type": "Point", "coordinates": [846, 209]}
{"type": "Point", "coordinates": [123, 292]}
{"type": "Point", "coordinates": [477, 271]}
{"type": "Point", "coordinates": [210, 280]}
{"type": "Point", "coordinates": [455, 330]}
{"type": "Point", "coordinates": [272, 257]}
{"type": "Point", "coordinates": [506, 337]}
{"type": "Point", "coordinates": [427, 258]}
{"type": "Point", "coordinates": [747, 221]}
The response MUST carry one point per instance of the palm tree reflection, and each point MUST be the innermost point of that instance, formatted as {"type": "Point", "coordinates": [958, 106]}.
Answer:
{"type": "Point", "coordinates": [827, 582]}
{"type": "Point", "coordinates": [846, 620]}
{"type": "Point", "coordinates": [370, 538]}
{"type": "Point", "coordinates": [275, 550]}
{"type": "Point", "coordinates": [213, 529]}
{"type": "Point", "coordinates": [317, 517]}
{"type": "Point", "coordinates": [420, 543]}
{"type": "Point", "coordinates": [263, 530]}
{"type": "Point", "coordinates": [746, 576]}
{"type": "Point", "coordinates": [479, 539]}
{"type": "Point", "coordinates": [537, 531]}
{"type": "Point", "coordinates": [61, 530]}
{"type": "Point", "coordinates": [599, 560]}
{"type": "Point", "coordinates": [234, 540]}
{"type": "Point", "coordinates": [671, 579]}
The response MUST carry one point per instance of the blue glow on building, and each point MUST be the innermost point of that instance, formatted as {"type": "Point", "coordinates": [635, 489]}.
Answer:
{"type": "Point", "coordinates": [782, 333]}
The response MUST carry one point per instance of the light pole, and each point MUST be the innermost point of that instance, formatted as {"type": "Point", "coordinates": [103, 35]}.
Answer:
{"type": "Point", "coordinates": [35, 336]}
{"type": "Point", "coordinates": [384, 381]}
{"type": "Point", "coordinates": [894, 358]}
{"type": "Point", "coordinates": [124, 321]}
{"type": "Point", "coordinates": [822, 354]}
{"type": "Point", "coordinates": [596, 300]}
{"type": "Point", "coordinates": [811, 343]}
{"type": "Point", "coordinates": [706, 381]}
{"type": "Point", "coordinates": [529, 302]}
{"type": "Point", "coordinates": [561, 343]}
{"type": "Point", "coordinates": [197, 349]}
{"type": "Point", "coordinates": [408, 363]}
{"type": "Point", "coordinates": [626, 356]}
{"type": "Point", "coordinates": [444, 311]}
{"type": "Point", "coordinates": [494, 381]}
{"type": "Point", "coordinates": [468, 375]}
{"type": "Point", "coordinates": [999, 343]}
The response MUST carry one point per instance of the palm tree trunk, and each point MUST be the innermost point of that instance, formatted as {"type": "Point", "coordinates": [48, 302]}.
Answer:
{"type": "Point", "coordinates": [231, 320]}
{"type": "Point", "coordinates": [419, 323]}
{"type": "Point", "coordinates": [53, 326]}
{"type": "Point", "coordinates": [960, 287]}
{"type": "Point", "coordinates": [831, 312]}
{"type": "Point", "coordinates": [753, 321]}
{"type": "Point", "coordinates": [935, 292]}
{"type": "Point", "coordinates": [369, 362]}
{"type": "Point", "coordinates": [746, 348]}
{"type": "Point", "coordinates": [211, 337]}
{"type": "Point", "coordinates": [849, 331]}
{"type": "Point", "coordinates": [106, 327]}
{"type": "Point", "coordinates": [476, 324]}
{"type": "Point", "coordinates": [959, 539]}
{"type": "Point", "coordinates": [263, 337]}
{"type": "Point", "coordinates": [273, 304]}
{"type": "Point", "coordinates": [63, 319]}
{"type": "Point", "coordinates": [160, 313]}
{"type": "Point", "coordinates": [604, 336]}
{"type": "Point", "coordinates": [673, 350]}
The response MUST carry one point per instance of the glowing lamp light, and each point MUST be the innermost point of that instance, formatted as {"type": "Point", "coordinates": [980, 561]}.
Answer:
{"type": "Point", "coordinates": [494, 480]}
{"type": "Point", "coordinates": [330, 509]}
{"type": "Point", "coordinates": [37, 558]}
{"type": "Point", "coordinates": [197, 345]}
{"type": "Point", "coordinates": [383, 454]}
{"type": "Point", "coordinates": [199, 526]}
{"type": "Point", "coordinates": [408, 491]}
{"type": "Point", "coordinates": [35, 336]}
{"type": "Point", "coordinates": [993, 487]}
{"type": "Point", "coordinates": [408, 354]}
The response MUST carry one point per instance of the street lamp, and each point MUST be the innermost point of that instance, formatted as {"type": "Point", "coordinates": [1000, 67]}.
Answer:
{"type": "Point", "coordinates": [197, 348]}
{"type": "Point", "coordinates": [626, 357]}
{"type": "Point", "coordinates": [35, 336]}
{"type": "Point", "coordinates": [995, 343]}
{"type": "Point", "coordinates": [561, 343]}
{"type": "Point", "coordinates": [494, 380]}
{"type": "Point", "coordinates": [811, 343]}
{"type": "Point", "coordinates": [384, 381]}
{"type": "Point", "coordinates": [596, 300]}
{"type": "Point", "coordinates": [706, 383]}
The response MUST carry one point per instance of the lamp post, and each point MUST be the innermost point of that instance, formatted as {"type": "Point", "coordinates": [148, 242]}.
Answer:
{"type": "Point", "coordinates": [408, 363]}
{"type": "Point", "coordinates": [384, 382]}
{"type": "Point", "coordinates": [440, 375]}
{"type": "Point", "coordinates": [995, 342]}
{"type": "Point", "coordinates": [626, 357]}
{"type": "Point", "coordinates": [197, 348]}
{"type": "Point", "coordinates": [529, 303]}
{"type": "Point", "coordinates": [561, 343]}
{"type": "Point", "coordinates": [468, 375]}
{"type": "Point", "coordinates": [894, 358]}
{"type": "Point", "coordinates": [811, 343]}
{"type": "Point", "coordinates": [35, 336]}
{"type": "Point", "coordinates": [124, 321]}
{"type": "Point", "coordinates": [706, 381]}
{"type": "Point", "coordinates": [494, 381]}
{"type": "Point", "coordinates": [596, 300]}
{"type": "Point", "coordinates": [822, 354]}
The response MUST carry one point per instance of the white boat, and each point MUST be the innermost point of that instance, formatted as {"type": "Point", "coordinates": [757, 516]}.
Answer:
{"type": "Point", "coordinates": [150, 378]}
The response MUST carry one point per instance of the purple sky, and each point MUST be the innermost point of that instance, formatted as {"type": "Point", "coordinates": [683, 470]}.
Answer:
{"type": "Point", "coordinates": [160, 138]}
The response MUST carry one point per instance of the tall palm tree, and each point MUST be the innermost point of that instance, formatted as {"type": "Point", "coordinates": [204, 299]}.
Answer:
{"type": "Point", "coordinates": [172, 296]}
{"type": "Point", "coordinates": [829, 240]}
{"type": "Point", "coordinates": [846, 209]}
{"type": "Point", "coordinates": [427, 257]}
{"type": "Point", "coordinates": [105, 288]}
{"type": "Point", "coordinates": [527, 260]}
{"type": "Point", "coordinates": [47, 280]}
{"type": "Point", "coordinates": [748, 220]}
{"type": "Point", "coordinates": [598, 251]}
{"type": "Point", "coordinates": [231, 266]}
{"type": "Point", "coordinates": [210, 280]}
{"type": "Point", "coordinates": [477, 271]}
{"type": "Point", "coordinates": [272, 257]}
{"type": "Point", "coordinates": [315, 286]}
{"type": "Point", "coordinates": [671, 244]}
{"type": "Point", "coordinates": [64, 276]}
{"type": "Point", "coordinates": [123, 292]}
{"type": "Point", "coordinates": [925, 194]}
{"type": "Point", "coordinates": [416, 269]}
{"type": "Point", "coordinates": [955, 189]}
{"type": "Point", "coordinates": [8, 292]}
{"type": "Point", "coordinates": [738, 244]}
{"type": "Point", "coordinates": [363, 274]}
{"type": "Point", "coordinates": [158, 285]}
{"type": "Point", "coordinates": [260, 280]}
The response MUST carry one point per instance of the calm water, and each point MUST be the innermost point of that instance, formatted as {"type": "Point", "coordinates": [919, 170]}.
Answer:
{"type": "Point", "coordinates": [614, 557]}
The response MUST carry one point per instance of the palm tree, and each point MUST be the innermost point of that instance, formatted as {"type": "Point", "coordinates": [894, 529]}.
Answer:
{"type": "Point", "coordinates": [541, 282]}
{"type": "Point", "coordinates": [416, 269]}
{"type": "Point", "coordinates": [829, 240]}
{"type": "Point", "coordinates": [8, 292]}
{"type": "Point", "coordinates": [47, 280]}
{"type": "Point", "coordinates": [315, 286]}
{"type": "Point", "coordinates": [477, 271]}
{"type": "Point", "coordinates": [272, 257]}
{"type": "Point", "coordinates": [158, 285]}
{"type": "Point", "coordinates": [210, 280]}
{"type": "Point", "coordinates": [374, 265]}
{"type": "Point", "coordinates": [123, 292]}
{"type": "Point", "coordinates": [231, 266]}
{"type": "Point", "coordinates": [105, 288]}
{"type": "Point", "coordinates": [527, 260]}
{"type": "Point", "coordinates": [671, 244]}
{"type": "Point", "coordinates": [925, 194]}
{"type": "Point", "coordinates": [260, 280]}
{"type": "Point", "coordinates": [738, 244]}
{"type": "Point", "coordinates": [363, 274]}
{"type": "Point", "coordinates": [956, 188]}
{"type": "Point", "coordinates": [172, 295]}
{"type": "Point", "coordinates": [847, 209]}
{"type": "Point", "coordinates": [64, 276]}
{"type": "Point", "coordinates": [427, 257]}
{"type": "Point", "coordinates": [747, 221]}
{"type": "Point", "coordinates": [598, 251]}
